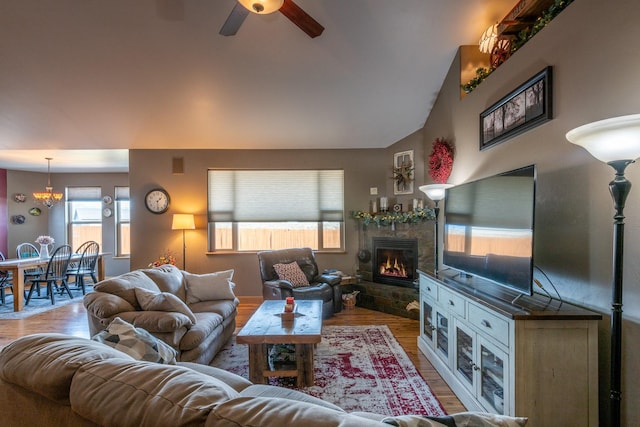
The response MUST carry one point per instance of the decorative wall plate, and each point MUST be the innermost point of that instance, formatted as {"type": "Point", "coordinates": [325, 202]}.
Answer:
{"type": "Point", "coordinates": [107, 200]}
{"type": "Point", "coordinates": [17, 219]}
{"type": "Point", "coordinates": [107, 212]}
{"type": "Point", "coordinates": [19, 197]}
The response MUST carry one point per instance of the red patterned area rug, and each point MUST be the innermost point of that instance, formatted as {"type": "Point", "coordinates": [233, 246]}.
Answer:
{"type": "Point", "coordinates": [359, 368]}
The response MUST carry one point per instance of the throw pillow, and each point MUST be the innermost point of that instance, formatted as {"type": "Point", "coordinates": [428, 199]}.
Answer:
{"type": "Point", "coordinates": [163, 301]}
{"type": "Point", "coordinates": [210, 286]}
{"type": "Point", "coordinates": [292, 273]}
{"type": "Point", "coordinates": [136, 342]}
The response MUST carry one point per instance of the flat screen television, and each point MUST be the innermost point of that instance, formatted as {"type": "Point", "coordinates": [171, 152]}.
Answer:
{"type": "Point", "coordinates": [488, 228]}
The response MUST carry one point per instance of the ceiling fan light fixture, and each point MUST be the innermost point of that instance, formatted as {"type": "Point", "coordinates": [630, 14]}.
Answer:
{"type": "Point", "coordinates": [262, 7]}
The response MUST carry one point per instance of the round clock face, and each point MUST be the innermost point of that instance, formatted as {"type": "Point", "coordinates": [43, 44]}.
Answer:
{"type": "Point", "coordinates": [157, 201]}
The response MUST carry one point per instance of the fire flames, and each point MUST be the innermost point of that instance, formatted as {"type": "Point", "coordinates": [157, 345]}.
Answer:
{"type": "Point", "coordinates": [393, 268]}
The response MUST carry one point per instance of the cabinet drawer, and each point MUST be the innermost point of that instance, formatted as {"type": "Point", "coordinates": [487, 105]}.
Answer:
{"type": "Point", "coordinates": [429, 289]}
{"type": "Point", "coordinates": [489, 324]}
{"type": "Point", "coordinates": [453, 302]}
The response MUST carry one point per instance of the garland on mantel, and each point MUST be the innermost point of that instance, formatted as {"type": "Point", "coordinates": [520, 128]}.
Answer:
{"type": "Point", "coordinates": [389, 218]}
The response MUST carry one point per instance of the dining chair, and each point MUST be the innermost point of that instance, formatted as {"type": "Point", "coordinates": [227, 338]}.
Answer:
{"type": "Point", "coordinates": [5, 282]}
{"type": "Point", "coordinates": [29, 250]}
{"type": "Point", "coordinates": [86, 265]}
{"type": "Point", "coordinates": [54, 277]}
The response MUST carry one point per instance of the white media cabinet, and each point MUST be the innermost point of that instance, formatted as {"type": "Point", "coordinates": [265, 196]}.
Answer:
{"type": "Point", "coordinates": [536, 357]}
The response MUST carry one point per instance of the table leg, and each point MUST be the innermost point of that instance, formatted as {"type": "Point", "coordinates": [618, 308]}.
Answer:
{"type": "Point", "coordinates": [304, 360]}
{"type": "Point", "coordinates": [101, 268]}
{"type": "Point", "coordinates": [18, 288]}
{"type": "Point", "coordinates": [257, 361]}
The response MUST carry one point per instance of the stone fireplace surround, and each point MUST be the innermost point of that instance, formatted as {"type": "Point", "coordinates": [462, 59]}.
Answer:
{"type": "Point", "coordinates": [390, 298]}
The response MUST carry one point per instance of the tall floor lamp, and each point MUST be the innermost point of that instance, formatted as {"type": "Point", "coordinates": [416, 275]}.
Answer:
{"type": "Point", "coordinates": [615, 141]}
{"type": "Point", "coordinates": [435, 192]}
{"type": "Point", "coordinates": [183, 222]}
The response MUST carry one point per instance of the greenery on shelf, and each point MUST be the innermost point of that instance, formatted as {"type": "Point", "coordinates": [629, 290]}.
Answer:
{"type": "Point", "coordinates": [388, 218]}
{"type": "Point", "coordinates": [520, 39]}
{"type": "Point", "coordinates": [481, 74]}
{"type": "Point", "coordinates": [542, 21]}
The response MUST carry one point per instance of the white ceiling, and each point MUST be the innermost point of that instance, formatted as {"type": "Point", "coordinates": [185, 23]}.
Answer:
{"type": "Point", "coordinates": [100, 76]}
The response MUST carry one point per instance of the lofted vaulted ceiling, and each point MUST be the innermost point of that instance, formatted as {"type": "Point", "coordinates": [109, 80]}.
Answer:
{"type": "Point", "coordinates": [98, 77]}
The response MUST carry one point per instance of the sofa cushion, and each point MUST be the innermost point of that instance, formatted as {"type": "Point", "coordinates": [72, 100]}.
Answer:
{"type": "Point", "coordinates": [292, 273]}
{"type": "Point", "coordinates": [461, 419]}
{"type": "Point", "coordinates": [274, 412]}
{"type": "Point", "coordinates": [234, 381]}
{"type": "Point", "coordinates": [263, 390]}
{"type": "Point", "coordinates": [169, 279]}
{"type": "Point", "coordinates": [225, 308]}
{"type": "Point", "coordinates": [112, 394]}
{"type": "Point", "coordinates": [124, 285]}
{"type": "Point", "coordinates": [103, 305]}
{"type": "Point", "coordinates": [206, 324]}
{"type": "Point", "coordinates": [210, 286]}
{"type": "Point", "coordinates": [163, 301]}
{"type": "Point", "coordinates": [46, 363]}
{"type": "Point", "coordinates": [136, 342]}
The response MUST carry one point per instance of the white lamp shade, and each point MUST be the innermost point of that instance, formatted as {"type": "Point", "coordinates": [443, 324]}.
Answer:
{"type": "Point", "coordinates": [262, 7]}
{"type": "Point", "coordinates": [488, 39]}
{"type": "Point", "coordinates": [612, 139]}
{"type": "Point", "coordinates": [435, 192]}
{"type": "Point", "coordinates": [183, 222]}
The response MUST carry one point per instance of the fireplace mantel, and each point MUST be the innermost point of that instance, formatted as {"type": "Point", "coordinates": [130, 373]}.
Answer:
{"type": "Point", "coordinates": [391, 218]}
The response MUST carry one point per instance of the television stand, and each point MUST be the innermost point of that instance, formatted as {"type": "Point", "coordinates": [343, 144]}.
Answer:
{"type": "Point", "coordinates": [535, 360]}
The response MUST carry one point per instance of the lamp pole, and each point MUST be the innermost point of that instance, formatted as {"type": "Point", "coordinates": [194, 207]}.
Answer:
{"type": "Point", "coordinates": [619, 189]}
{"type": "Point", "coordinates": [435, 192]}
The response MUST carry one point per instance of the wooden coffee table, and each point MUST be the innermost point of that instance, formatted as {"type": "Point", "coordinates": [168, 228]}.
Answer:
{"type": "Point", "coordinates": [269, 326]}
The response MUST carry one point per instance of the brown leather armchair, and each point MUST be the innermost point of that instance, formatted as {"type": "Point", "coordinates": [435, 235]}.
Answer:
{"type": "Point", "coordinates": [325, 287]}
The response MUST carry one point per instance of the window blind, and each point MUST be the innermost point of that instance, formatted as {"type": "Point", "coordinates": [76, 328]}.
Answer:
{"type": "Point", "coordinates": [79, 194]}
{"type": "Point", "coordinates": [276, 195]}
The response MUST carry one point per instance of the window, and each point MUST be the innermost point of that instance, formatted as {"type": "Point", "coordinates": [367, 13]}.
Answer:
{"type": "Point", "coordinates": [84, 215]}
{"type": "Point", "coordinates": [251, 210]}
{"type": "Point", "coordinates": [123, 221]}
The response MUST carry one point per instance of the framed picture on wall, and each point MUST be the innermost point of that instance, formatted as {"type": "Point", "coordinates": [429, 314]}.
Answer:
{"type": "Point", "coordinates": [403, 169]}
{"type": "Point", "coordinates": [526, 107]}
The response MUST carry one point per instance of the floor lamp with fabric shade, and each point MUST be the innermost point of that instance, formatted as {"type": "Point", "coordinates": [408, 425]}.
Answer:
{"type": "Point", "coordinates": [616, 142]}
{"type": "Point", "coordinates": [435, 192]}
{"type": "Point", "coordinates": [183, 222]}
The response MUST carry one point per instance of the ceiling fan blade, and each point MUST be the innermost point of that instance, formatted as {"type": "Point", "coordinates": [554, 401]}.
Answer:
{"type": "Point", "coordinates": [234, 21]}
{"type": "Point", "coordinates": [301, 18]}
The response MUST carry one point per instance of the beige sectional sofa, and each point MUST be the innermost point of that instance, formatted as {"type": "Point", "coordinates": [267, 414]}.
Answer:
{"type": "Point", "coordinates": [194, 314]}
{"type": "Point", "coordinates": [59, 380]}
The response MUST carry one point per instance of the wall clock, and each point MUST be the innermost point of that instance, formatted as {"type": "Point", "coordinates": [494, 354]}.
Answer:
{"type": "Point", "coordinates": [157, 201]}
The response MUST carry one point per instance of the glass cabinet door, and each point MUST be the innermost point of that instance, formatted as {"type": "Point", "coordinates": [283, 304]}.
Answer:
{"type": "Point", "coordinates": [427, 321]}
{"type": "Point", "coordinates": [442, 334]}
{"type": "Point", "coordinates": [464, 356]}
{"type": "Point", "coordinates": [493, 369]}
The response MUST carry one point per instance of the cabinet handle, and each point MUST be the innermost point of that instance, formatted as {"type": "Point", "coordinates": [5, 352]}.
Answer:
{"type": "Point", "coordinates": [486, 324]}
{"type": "Point", "coordinates": [433, 328]}
{"type": "Point", "coordinates": [429, 288]}
{"type": "Point", "coordinates": [452, 303]}
{"type": "Point", "coordinates": [476, 367]}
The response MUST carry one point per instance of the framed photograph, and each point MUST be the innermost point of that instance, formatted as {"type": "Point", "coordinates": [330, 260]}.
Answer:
{"type": "Point", "coordinates": [403, 168]}
{"type": "Point", "coordinates": [528, 106]}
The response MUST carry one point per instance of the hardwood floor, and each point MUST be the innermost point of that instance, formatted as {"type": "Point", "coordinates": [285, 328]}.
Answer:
{"type": "Point", "coordinates": [71, 320]}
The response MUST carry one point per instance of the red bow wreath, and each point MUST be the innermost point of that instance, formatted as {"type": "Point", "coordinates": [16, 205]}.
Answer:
{"type": "Point", "coordinates": [441, 161]}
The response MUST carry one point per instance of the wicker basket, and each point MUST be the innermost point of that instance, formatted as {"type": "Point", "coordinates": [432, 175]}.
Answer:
{"type": "Point", "coordinates": [349, 303]}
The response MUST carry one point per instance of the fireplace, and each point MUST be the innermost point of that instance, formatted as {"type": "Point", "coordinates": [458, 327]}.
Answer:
{"type": "Point", "coordinates": [395, 261]}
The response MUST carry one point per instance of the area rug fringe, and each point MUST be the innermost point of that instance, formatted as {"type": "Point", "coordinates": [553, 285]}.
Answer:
{"type": "Point", "coordinates": [359, 368]}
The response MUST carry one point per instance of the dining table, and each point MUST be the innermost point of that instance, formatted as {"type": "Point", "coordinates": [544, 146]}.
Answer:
{"type": "Point", "coordinates": [17, 267]}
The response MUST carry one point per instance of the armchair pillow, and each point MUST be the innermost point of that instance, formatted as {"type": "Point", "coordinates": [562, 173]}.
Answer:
{"type": "Point", "coordinates": [163, 301]}
{"type": "Point", "coordinates": [136, 342]}
{"type": "Point", "coordinates": [210, 286]}
{"type": "Point", "coordinates": [292, 273]}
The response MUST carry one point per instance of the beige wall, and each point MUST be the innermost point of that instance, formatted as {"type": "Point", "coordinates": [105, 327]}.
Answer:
{"type": "Point", "coordinates": [596, 63]}
{"type": "Point", "coordinates": [152, 233]}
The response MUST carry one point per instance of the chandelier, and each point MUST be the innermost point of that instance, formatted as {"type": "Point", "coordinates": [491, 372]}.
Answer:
{"type": "Point", "coordinates": [48, 198]}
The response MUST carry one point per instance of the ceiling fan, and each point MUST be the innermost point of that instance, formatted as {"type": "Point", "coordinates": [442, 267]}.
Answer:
{"type": "Point", "coordinates": [262, 7]}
